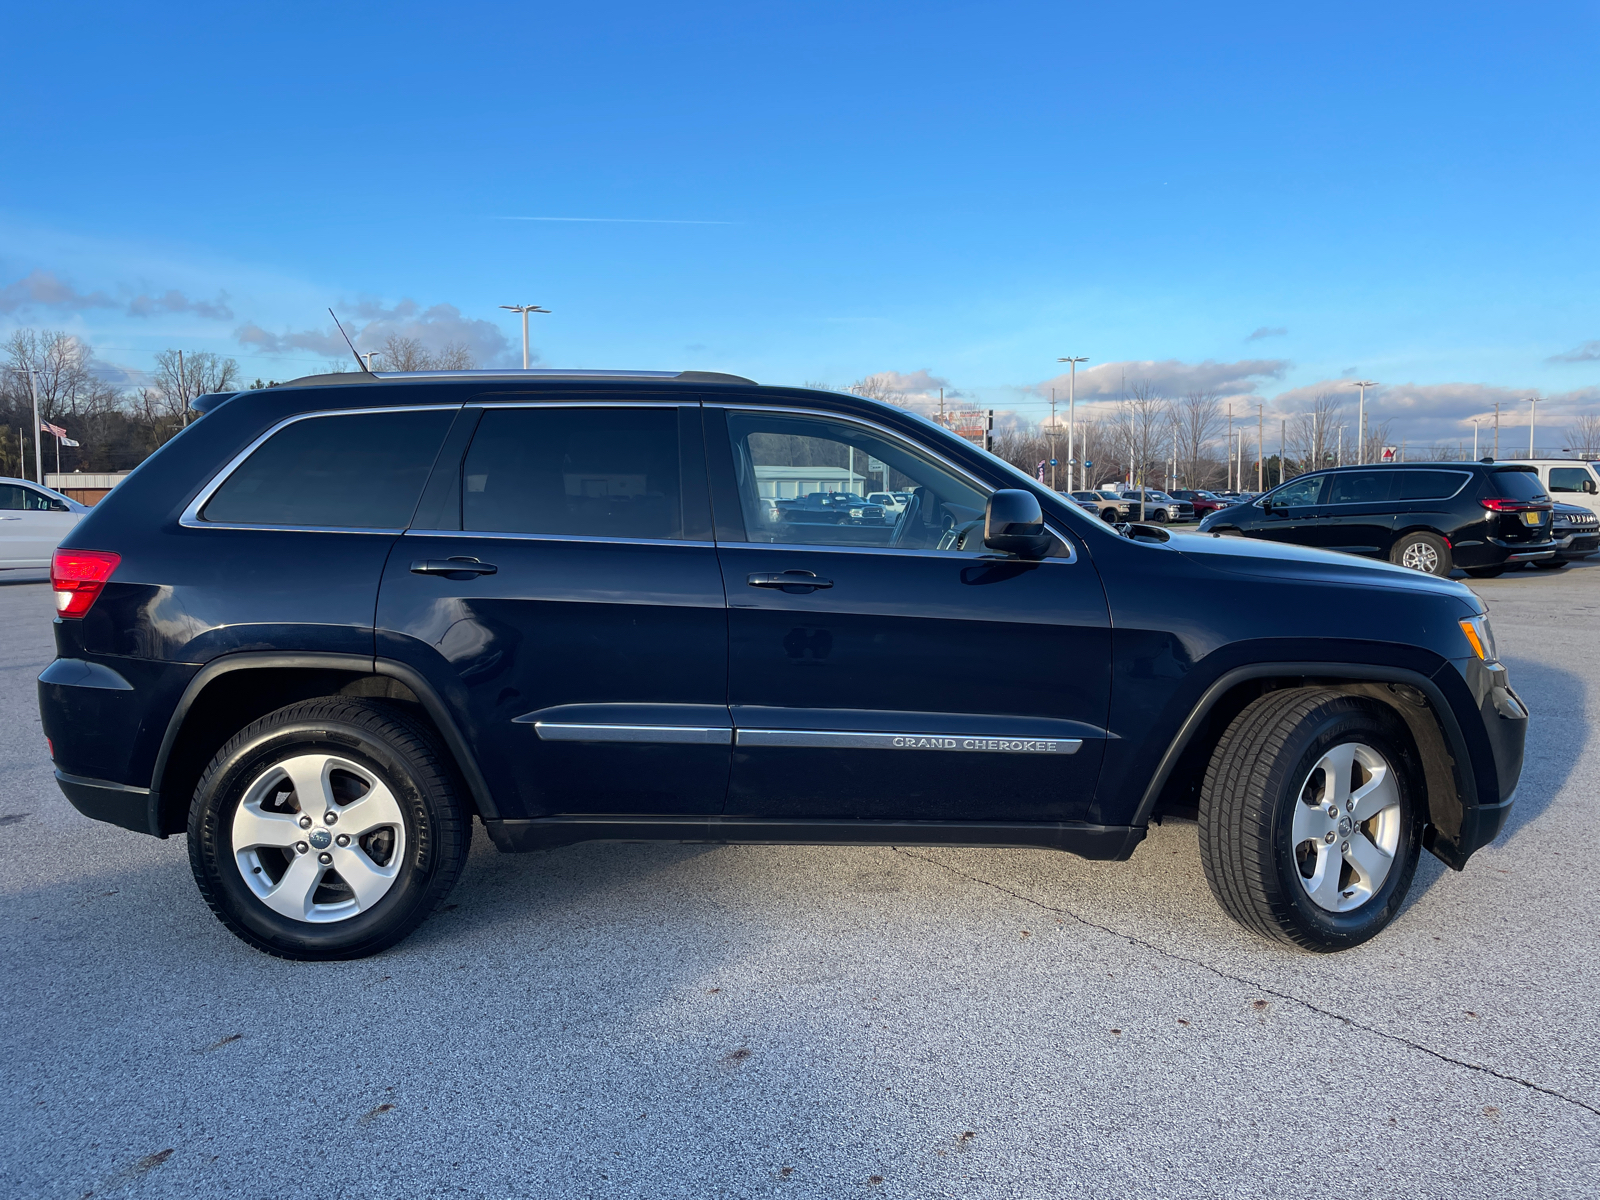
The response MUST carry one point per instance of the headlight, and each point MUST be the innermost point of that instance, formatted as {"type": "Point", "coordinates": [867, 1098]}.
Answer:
{"type": "Point", "coordinates": [1480, 637]}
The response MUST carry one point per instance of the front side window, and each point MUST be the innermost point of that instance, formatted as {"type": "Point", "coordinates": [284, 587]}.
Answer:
{"type": "Point", "coordinates": [576, 471]}
{"type": "Point", "coordinates": [351, 471]}
{"type": "Point", "coordinates": [1305, 490]}
{"type": "Point", "coordinates": [1568, 479]}
{"type": "Point", "coordinates": [14, 498]}
{"type": "Point", "coordinates": [805, 480]}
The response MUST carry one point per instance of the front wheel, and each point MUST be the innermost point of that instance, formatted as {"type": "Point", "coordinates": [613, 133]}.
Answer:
{"type": "Point", "coordinates": [328, 829]}
{"type": "Point", "coordinates": [1311, 818]}
{"type": "Point", "coordinates": [1159, 516]}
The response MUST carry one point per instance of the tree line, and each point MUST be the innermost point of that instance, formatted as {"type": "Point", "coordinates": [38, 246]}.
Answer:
{"type": "Point", "coordinates": [118, 427]}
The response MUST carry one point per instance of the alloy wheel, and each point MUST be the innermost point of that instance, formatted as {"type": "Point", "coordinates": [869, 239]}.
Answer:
{"type": "Point", "coordinates": [1346, 828]}
{"type": "Point", "coordinates": [1420, 556]}
{"type": "Point", "coordinates": [319, 838]}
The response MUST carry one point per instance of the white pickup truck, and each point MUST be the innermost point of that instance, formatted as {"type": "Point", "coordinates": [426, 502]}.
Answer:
{"type": "Point", "coordinates": [33, 520]}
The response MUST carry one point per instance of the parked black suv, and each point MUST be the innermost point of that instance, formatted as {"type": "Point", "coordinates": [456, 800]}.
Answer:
{"type": "Point", "coordinates": [335, 621]}
{"type": "Point", "coordinates": [1481, 516]}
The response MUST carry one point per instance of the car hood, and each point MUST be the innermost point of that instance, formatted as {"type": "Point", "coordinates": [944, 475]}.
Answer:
{"type": "Point", "coordinates": [1281, 561]}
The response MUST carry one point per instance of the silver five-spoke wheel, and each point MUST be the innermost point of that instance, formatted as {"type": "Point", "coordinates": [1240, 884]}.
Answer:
{"type": "Point", "coordinates": [1346, 827]}
{"type": "Point", "coordinates": [318, 838]}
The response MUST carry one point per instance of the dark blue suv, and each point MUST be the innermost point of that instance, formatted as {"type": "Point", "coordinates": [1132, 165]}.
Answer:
{"type": "Point", "coordinates": [336, 622]}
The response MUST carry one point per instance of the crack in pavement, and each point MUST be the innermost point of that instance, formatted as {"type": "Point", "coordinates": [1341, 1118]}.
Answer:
{"type": "Point", "coordinates": [1250, 983]}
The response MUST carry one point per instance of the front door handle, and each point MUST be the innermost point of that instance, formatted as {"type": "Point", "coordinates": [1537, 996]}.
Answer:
{"type": "Point", "coordinates": [789, 581]}
{"type": "Point", "coordinates": [453, 567]}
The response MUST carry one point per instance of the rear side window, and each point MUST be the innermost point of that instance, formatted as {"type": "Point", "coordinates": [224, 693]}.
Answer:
{"type": "Point", "coordinates": [353, 471]}
{"type": "Point", "coordinates": [575, 472]}
{"type": "Point", "coordinates": [1568, 479]}
{"type": "Point", "coordinates": [1514, 484]}
{"type": "Point", "coordinates": [1428, 485]}
{"type": "Point", "coordinates": [1359, 487]}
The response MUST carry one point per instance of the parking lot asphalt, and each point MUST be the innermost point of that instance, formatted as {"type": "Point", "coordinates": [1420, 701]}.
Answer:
{"type": "Point", "coordinates": [694, 1021]}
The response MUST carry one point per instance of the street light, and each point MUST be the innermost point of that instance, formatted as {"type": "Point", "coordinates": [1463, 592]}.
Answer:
{"type": "Point", "coordinates": [1072, 427]}
{"type": "Point", "coordinates": [1361, 419]}
{"type": "Point", "coordinates": [524, 309]}
{"type": "Point", "coordinates": [1533, 402]}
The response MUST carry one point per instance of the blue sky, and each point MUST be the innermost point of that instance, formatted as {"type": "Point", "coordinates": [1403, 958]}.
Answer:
{"type": "Point", "coordinates": [952, 192]}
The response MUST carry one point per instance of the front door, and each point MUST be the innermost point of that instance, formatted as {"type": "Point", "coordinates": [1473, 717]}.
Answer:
{"type": "Point", "coordinates": [32, 524]}
{"type": "Point", "coordinates": [560, 589]}
{"type": "Point", "coordinates": [883, 664]}
{"type": "Point", "coordinates": [1290, 513]}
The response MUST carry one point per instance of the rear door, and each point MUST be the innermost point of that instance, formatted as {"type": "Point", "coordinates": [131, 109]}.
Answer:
{"type": "Point", "coordinates": [891, 667]}
{"type": "Point", "coordinates": [560, 588]}
{"type": "Point", "coordinates": [1357, 512]}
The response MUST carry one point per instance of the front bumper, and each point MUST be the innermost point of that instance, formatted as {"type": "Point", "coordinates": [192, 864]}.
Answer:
{"type": "Point", "coordinates": [1496, 736]}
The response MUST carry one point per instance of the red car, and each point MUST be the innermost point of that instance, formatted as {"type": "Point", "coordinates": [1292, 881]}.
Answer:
{"type": "Point", "coordinates": [1204, 502]}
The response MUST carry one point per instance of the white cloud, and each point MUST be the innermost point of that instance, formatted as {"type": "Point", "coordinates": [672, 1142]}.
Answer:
{"type": "Point", "coordinates": [1265, 332]}
{"type": "Point", "coordinates": [1583, 352]}
{"type": "Point", "coordinates": [1169, 377]}
{"type": "Point", "coordinates": [42, 290]}
{"type": "Point", "coordinates": [373, 323]}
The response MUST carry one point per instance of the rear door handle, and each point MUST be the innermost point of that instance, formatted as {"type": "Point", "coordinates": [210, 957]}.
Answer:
{"type": "Point", "coordinates": [452, 566]}
{"type": "Point", "coordinates": [801, 581]}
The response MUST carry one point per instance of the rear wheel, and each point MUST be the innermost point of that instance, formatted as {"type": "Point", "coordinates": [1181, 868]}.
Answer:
{"type": "Point", "coordinates": [328, 829]}
{"type": "Point", "coordinates": [1423, 552]}
{"type": "Point", "coordinates": [1311, 818]}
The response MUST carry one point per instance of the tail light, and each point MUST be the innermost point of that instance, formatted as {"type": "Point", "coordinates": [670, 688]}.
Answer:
{"type": "Point", "coordinates": [77, 577]}
{"type": "Point", "coordinates": [1495, 504]}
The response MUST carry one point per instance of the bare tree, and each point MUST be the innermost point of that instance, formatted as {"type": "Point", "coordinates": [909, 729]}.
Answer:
{"type": "Point", "coordinates": [409, 354]}
{"type": "Point", "coordinates": [879, 387]}
{"type": "Point", "coordinates": [1140, 432]}
{"type": "Point", "coordinates": [1199, 417]}
{"type": "Point", "coordinates": [1583, 436]}
{"type": "Point", "coordinates": [1314, 436]}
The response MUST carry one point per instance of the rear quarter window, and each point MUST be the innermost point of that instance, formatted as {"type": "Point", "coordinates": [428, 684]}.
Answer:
{"type": "Point", "coordinates": [351, 471]}
{"type": "Point", "coordinates": [1428, 485]}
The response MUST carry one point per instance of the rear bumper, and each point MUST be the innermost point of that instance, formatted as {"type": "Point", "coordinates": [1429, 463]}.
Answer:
{"type": "Point", "coordinates": [114, 803]}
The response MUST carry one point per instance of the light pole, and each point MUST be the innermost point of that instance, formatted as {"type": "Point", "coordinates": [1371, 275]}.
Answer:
{"type": "Point", "coordinates": [1053, 439]}
{"type": "Point", "coordinates": [1361, 419]}
{"type": "Point", "coordinates": [1261, 449]}
{"type": "Point", "coordinates": [1476, 421]}
{"type": "Point", "coordinates": [1533, 402]}
{"type": "Point", "coordinates": [524, 309]}
{"type": "Point", "coordinates": [1072, 422]}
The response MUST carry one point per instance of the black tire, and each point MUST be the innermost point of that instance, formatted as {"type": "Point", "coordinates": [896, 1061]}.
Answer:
{"type": "Point", "coordinates": [1110, 516]}
{"type": "Point", "coordinates": [1426, 552]}
{"type": "Point", "coordinates": [427, 844]}
{"type": "Point", "coordinates": [1485, 572]}
{"type": "Point", "coordinates": [1551, 564]}
{"type": "Point", "coordinates": [1159, 516]}
{"type": "Point", "coordinates": [1248, 808]}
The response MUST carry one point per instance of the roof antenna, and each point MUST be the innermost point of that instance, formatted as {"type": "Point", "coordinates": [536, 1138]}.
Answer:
{"type": "Point", "coordinates": [366, 370]}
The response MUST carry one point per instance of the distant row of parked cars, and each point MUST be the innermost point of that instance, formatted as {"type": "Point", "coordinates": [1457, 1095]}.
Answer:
{"type": "Point", "coordinates": [1483, 517]}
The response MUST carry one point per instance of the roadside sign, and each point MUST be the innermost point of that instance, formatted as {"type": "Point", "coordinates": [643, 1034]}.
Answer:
{"type": "Point", "coordinates": [1388, 454]}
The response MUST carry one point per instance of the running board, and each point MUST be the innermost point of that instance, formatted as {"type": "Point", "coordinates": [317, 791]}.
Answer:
{"type": "Point", "coordinates": [1109, 842]}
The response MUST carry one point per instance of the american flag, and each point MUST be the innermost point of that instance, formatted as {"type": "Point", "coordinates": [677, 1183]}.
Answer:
{"type": "Point", "coordinates": [59, 432]}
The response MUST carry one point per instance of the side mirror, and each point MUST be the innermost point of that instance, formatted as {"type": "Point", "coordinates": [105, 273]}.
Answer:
{"type": "Point", "coordinates": [1589, 487]}
{"type": "Point", "coordinates": [1013, 523]}
{"type": "Point", "coordinates": [57, 506]}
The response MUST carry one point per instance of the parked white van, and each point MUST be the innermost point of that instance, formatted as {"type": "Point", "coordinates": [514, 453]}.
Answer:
{"type": "Point", "coordinates": [1570, 481]}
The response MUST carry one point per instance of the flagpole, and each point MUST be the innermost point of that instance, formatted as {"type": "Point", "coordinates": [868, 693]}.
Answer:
{"type": "Point", "coordinates": [38, 458]}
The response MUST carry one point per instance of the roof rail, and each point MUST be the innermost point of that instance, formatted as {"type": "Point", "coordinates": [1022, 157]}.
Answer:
{"type": "Point", "coordinates": [355, 378]}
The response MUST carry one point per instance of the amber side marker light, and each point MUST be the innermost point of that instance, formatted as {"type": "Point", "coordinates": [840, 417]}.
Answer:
{"type": "Point", "coordinates": [1480, 637]}
{"type": "Point", "coordinates": [77, 577]}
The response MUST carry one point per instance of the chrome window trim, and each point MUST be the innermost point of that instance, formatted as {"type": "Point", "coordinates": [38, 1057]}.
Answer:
{"type": "Point", "coordinates": [733, 406]}
{"type": "Point", "coordinates": [554, 537]}
{"type": "Point", "coordinates": [1466, 478]}
{"type": "Point", "coordinates": [191, 519]}
{"type": "Point", "coordinates": [816, 547]}
{"type": "Point", "coordinates": [577, 731]}
{"type": "Point", "coordinates": [979, 743]}
{"type": "Point", "coordinates": [518, 401]}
